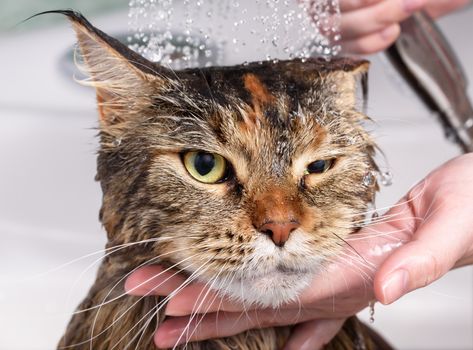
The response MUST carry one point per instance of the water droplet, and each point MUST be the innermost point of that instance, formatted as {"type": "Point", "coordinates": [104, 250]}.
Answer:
{"type": "Point", "coordinates": [468, 124]}
{"type": "Point", "coordinates": [117, 142]}
{"type": "Point", "coordinates": [371, 307]}
{"type": "Point", "coordinates": [369, 179]}
{"type": "Point", "coordinates": [386, 178]}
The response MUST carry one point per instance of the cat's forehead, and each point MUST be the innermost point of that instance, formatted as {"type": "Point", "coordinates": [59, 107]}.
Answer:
{"type": "Point", "coordinates": [265, 81]}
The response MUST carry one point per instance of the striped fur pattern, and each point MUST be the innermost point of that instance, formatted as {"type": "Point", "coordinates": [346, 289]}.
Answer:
{"type": "Point", "coordinates": [269, 121]}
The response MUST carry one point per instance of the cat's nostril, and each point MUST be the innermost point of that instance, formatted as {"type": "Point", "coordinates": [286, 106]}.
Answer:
{"type": "Point", "coordinates": [279, 231]}
{"type": "Point", "coordinates": [268, 233]}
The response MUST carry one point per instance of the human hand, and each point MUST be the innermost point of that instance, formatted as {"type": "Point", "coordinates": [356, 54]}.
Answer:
{"type": "Point", "coordinates": [369, 26]}
{"type": "Point", "coordinates": [408, 248]}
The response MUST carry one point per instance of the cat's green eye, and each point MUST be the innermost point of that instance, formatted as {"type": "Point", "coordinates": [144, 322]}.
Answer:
{"type": "Point", "coordinates": [206, 167]}
{"type": "Point", "coordinates": [319, 166]}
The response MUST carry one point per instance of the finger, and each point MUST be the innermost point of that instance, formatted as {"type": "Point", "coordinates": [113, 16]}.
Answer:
{"type": "Point", "coordinates": [197, 298]}
{"type": "Point", "coordinates": [437, 245]}
{"type": "Point", "coordinates": [350, 5]}
{"type": "Point", "coordinates": [439, 8]}
{"type": "Point", "coordinates": [314, 334]}
{"type": "Point", "coordinates": [359, 23]}
{"type": "Point", "coordinates": [179, 330]}
{"type": "Point", "coordinates": [372, 43]}
{"type": "Point", "coordinates": [153, 280]}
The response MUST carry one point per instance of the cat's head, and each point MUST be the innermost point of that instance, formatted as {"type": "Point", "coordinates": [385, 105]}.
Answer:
{"type": "Point", "coordinates": [248, 177]}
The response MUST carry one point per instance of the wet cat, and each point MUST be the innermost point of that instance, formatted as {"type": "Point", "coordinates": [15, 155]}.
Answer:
{"type": "Point", "coordinates": [245, 177]}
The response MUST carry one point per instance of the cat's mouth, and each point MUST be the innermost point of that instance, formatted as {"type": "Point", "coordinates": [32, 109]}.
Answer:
{"type": "Point", "coordinates": [289, 270]}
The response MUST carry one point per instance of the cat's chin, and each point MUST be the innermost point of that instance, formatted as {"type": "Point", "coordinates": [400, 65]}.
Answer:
{"type": "Point", "coordinates": [270, 290]}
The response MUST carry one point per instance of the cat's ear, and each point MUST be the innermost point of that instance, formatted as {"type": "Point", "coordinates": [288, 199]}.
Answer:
{"type": "Point", "coordinates": [124, 80]}
{"type": "Point", "coordinates": [350, 79]}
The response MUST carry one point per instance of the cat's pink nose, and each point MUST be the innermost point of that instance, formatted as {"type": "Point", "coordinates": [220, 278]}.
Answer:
{"type": "Point", "coordinates": [279, 231]}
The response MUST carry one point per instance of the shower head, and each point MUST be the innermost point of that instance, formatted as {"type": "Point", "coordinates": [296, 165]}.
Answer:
{"type": "Point", "coordinates": [425, 59]}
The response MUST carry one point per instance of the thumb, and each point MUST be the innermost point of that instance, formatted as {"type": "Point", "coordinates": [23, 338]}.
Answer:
{"type": "Point", "coordinates": [436, 246]}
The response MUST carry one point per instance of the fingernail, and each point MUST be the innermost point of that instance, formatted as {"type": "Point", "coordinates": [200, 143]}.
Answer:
{"type": "Point", "coordinates": [130, 287]}
{"type": "Point", "coordinates": [137, 289]}
{"type": "Point", "coordinates": [412, 5]}
{"type": "Point", "coordinates": [389, 32]}
{"type": "Point", "coordinates": [395, 286]}
{"type": "Point", "coordinates": [309, 345]}
{"type": "Point", "coordinates": [171, 311]}
{"type": "Point", "coordinates": [169, 338]}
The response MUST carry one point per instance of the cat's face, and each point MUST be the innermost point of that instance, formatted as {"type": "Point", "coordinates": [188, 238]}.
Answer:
{"type": "Point", "coordinates": [249, 177]}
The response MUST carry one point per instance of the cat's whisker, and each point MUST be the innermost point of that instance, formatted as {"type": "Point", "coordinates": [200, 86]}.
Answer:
{"type": "Point", "coordinates": [122, 315]}
{"type": "Point", "coordinates": [354, 260]}
{"type": "Point", "coordinates": [245, 310]}
{"type": "Point", "coordinates": [99, 306]}
{"type": "Point", "coordinates": [351, 263]}
{"type": "Point", "coordinates": [399, 204]}
{"type": "Point", "coordinates": [349, 245]}
{"type": "Point", "coordinates": [366, 221]}
{"type": "Point", "coordinates": [208, 286]}
{"type": "Point", "coordinates": [365, 277]}
{"type": "Point", "coordinates": [120, 296]}
{"type": "Point", "coordinates": [375, 220]}
{"type": "Point", "coordinates": [120, 247]}
{"type": "Point", "coordinates": [429, 212]}
{"type": "Point", "coordinates": [393, 222]}
{"type": "Point", "coordinates": [152, 311]}
{"type": "Point", "coordinates": [101, 251]}
{"type": "Point", "coordinates": [377, 234]}
{"type": "Point", "coordinates": [161, 303]}
{"type": "Point", "coordinates": [384, 217]}
{"type": "Point", "coordinates": [148, 262]}
{"type": "Point", "coordinates": [143, 330]}
{"type": "Point", "coordinates": [129, 308]}
{"type": "Point", "coordinates": [244, 304]}
{"type": "Point", "coordinates": [92, 337]}
{"type": "Point", "coordinates": [299, 306]}
{"type": "Point", "coordinates": [367, 226]}
{"type": "Point", "coordinates": [223, 282]}
{"type": "Point", "coordinates": [188, 281]}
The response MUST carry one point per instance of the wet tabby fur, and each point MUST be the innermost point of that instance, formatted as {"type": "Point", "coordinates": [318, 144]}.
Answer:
{"type": "Point", "coordinates": [269, 120]}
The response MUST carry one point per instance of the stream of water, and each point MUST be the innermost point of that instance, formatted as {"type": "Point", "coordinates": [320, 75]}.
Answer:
{"type": "Point", "coordinates": [191, 33]}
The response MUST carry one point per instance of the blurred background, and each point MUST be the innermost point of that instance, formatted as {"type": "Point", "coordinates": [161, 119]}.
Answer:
{"type": "Point", "coordinates": [49, 201]}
